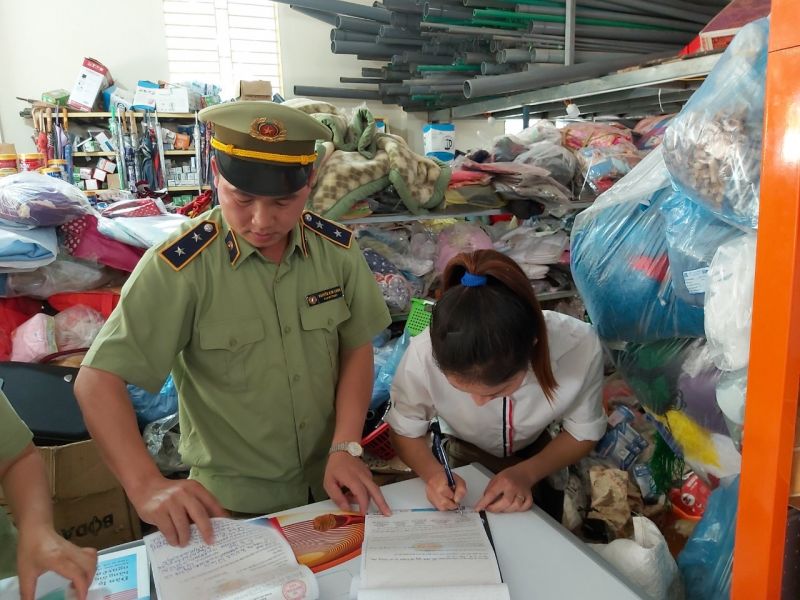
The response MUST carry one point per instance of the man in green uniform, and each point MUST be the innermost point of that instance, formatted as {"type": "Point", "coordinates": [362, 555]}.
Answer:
{"type": "Point", "coordinates": [41, 549]}
{"type": "Point", "coordinates": [264, 313]}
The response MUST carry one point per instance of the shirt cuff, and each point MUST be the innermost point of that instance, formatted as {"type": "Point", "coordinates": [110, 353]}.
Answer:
{"type": "Point", "coordinates": [591, 431]}
{"type": "Point", "coordinates": [402, 425]}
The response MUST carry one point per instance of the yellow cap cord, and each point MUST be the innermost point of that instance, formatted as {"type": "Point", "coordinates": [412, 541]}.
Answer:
{"type": "Point", "coordinates": [303, 159]}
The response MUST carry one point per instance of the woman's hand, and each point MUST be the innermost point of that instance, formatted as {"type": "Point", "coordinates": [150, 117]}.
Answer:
{"type": "Point", "coordinates": [511, 490]}
{"type": "Point", "coordinates": [439, 492]}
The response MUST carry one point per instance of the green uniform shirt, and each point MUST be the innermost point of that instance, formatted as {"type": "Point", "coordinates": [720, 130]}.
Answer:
{"type": "Point", "coordinates": [253, 347]}
{"type": "Point", "coordinates": [14, 437]}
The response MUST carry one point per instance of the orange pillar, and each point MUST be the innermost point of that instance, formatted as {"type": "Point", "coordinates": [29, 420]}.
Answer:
{"type": "Point", "coordinates": [772, 394]}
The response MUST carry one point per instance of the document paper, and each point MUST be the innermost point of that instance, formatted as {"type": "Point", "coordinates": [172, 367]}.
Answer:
{"type": "Point", "coordinates": [427, 553]}
{"type": "Point", "coordinates": [247, 560]}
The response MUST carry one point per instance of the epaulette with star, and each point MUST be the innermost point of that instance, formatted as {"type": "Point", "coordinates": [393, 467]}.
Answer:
{"type": "Point", "coordinates": [189, 246]}
{"type": "Point", "coordinates": [330, 230]}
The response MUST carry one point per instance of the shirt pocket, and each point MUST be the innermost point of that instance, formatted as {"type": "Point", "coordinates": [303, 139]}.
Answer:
{"type": "Point", "coordinates": [232, 349]}
{"type": "Point", "coordinates": [321, 323]}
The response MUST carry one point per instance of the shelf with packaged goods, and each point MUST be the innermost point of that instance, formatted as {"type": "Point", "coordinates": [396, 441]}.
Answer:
{"type": "Point", "coordinates": [88, 154]}
{"type": "Point", "coordinates": [187, 188]}
{"type": "Point", "coordinates": [179, 152]}
{"type": "Point", "coordinates": [138, 115]}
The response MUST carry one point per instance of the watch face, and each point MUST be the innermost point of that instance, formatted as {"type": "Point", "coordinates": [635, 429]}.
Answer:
{"type": "Point", "coordinates": [354, 448]}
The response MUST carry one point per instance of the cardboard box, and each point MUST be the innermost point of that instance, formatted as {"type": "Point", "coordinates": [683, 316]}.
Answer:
{"type": "Point", "coordinates": [89, 505]}
{"type": "Point", "coordinates": [173, 99]}
{"type": "Point", "coordinates": [255, 90]}
{"type": "Point", "coordinates": [57, 97]}
{"type": "Point", "coordinates": [109, 166]}
{"type": "Point", "coordinates": [439, 140]}
{"type": "Point", "coordinates": [99, 174]}
{"type": "Point", "coordinates": [113, 181]}
{"type": "Point", "coordinates": [720, 30]}
{"type": "Point", "coordinates": [93, 78]}
{"type": "Point", "coordinates": [92, 184]}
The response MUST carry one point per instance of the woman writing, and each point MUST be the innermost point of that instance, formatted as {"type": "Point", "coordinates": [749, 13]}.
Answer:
{"type": "Point", "coordinates": [497, 371]}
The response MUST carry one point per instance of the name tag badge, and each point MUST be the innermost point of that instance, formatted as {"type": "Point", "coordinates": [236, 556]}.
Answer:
{"type": "Point", "coordinates": [324, 296]}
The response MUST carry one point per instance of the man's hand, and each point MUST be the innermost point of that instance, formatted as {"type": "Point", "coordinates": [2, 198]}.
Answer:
{"type": "Point", "coordinates": [172, 505]}
{"type": "Point", "coordinates": [41, 549]}
{"type": "Point", "coordinates": [346, 471]}
{"type": "Point", "coordinates": [509, 491]}
{"type": "Point", "coordinates": [439, 493]}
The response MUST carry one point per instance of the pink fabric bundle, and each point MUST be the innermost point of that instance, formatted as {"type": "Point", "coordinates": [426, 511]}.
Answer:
{"type": "Point", "coordinates": [83, 240]}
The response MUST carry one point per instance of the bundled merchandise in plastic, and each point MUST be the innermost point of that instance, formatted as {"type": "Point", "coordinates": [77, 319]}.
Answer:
{"type": "Point", "coordinates": [36, 200]}
{"type": "Point", "coordinates": [620, 261]}
{"type": "Point", "coordinates": [713, 147]}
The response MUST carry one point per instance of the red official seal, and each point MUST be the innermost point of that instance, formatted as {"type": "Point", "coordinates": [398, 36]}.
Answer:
{"type": "Point", "coordinates": [294, 590]}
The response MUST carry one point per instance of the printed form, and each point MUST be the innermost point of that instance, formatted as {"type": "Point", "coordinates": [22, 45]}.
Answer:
{"type": "Point", "coordinates": [427, 553]}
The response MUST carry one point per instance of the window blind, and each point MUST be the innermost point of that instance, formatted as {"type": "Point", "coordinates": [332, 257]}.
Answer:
{"type": "Point", "coordinates": [222, 41]}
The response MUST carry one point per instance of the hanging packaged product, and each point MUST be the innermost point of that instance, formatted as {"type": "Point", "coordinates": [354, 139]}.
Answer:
{"type": "Point", "coordinates": [61, 165]}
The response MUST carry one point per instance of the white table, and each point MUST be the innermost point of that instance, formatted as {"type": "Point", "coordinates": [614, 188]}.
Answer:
{"type": "Point", "coordinates": [538, 558]}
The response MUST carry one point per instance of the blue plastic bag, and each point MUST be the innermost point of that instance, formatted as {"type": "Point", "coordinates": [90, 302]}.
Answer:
{"type": "Point", "coordinates": [713, 147]}
{"type": "Point", "coordinates": [386, 361]}
{"type": "Point", "coordinates": [620, 263]}
{"type": "Point", "coordinates": [152, 407]}
{"type": "Point", "coordinates": [706, 561]}
{"type": "Point", "coordinates": [693, 235]}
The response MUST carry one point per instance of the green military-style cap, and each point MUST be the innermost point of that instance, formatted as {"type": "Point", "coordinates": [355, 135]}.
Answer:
{"type": "Point", "coordinates": [264, 148]}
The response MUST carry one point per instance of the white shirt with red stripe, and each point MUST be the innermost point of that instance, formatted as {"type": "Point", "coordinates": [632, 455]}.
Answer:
{"type": "Point", "coordinates": [420, 392]}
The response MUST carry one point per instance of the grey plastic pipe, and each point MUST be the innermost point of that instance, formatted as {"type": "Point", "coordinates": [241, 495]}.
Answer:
{"type": "Point", "coordinates": [528, 80]}
{"type": "Point", "coordinates": [319, 15]}
{"type": "Point", "coordinates": [446, 12]}
{"type": "Point", "coordinates": [663, 8]}
{"type": "Point", "coordinates": [601, 14]}
{"type": "Point", "coordinates": [340, 35]}
{"type": "Point", "coordinates": [343, 8]}
{"type": "Point", "coordinates": [354, 24]}
{"type": "Point", "coordinates": [366, 48]}
{"type": "Point", "coordinates": [491, 68]}
{"type": "Point", "coordinates": [328, 92]}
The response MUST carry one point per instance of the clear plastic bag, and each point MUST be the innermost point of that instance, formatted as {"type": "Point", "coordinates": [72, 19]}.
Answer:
{"type": "Point", "coordinates": [729, 302]}
{"type": "Point", "coordinates": [587, 134]}
{"type": "Point", "coordinates": [506, 148]}
{"type": "Point", "coordinates": [38, 200]}
{"type": "Point", "coordinates": [34, 339]}
{"type": "Point", "coordinates": [152, 407]}
{"type": "Point", "coordinates": [713, 147]}
{"type": "Point", "coordinates": [77, 326]}
{"type": "Point", "coordinates": [602, 167]}
{"type": "Point", "coordinates": [731, 396]}
{"type": "Point", "coordinates": [693, 235]}
{"type": "Point", "coordinates": [552, 156]}
{"type": "Point", "coordinates": [461, 237]}
{"type": "Point", "coordinates": [162, 438]}
{"type": "Point", "coordinates": [706, 561]}
{"type": "Point", "coordinates": [63, 275]}
{"type": "Point", "coordinates": [386, 362]}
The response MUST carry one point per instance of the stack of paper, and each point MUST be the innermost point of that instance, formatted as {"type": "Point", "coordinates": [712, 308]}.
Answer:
{"type": "Point", "coordinates": [425, 554]}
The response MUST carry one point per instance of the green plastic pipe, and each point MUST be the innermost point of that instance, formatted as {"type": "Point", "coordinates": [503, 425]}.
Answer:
{"type": "Point", "coordinates": [528, 17]}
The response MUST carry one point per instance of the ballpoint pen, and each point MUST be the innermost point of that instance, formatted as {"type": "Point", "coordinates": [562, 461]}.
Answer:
{"type": "Point", "coordinates": [441, 456]}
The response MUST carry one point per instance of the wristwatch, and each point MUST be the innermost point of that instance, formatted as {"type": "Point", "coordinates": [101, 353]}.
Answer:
{"type": "Point", "coordinates": [352, 448]}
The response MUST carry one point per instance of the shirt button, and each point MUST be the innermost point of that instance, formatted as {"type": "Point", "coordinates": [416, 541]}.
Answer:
{"type": "Point", "coordinates": [303, 425]}
{"type": "Point", "coordinates": [330, 321]}
{"type": "Point", "coordinates": [232, 342]}
{"type": "Point", "coordinates": [296, 378]}
{"type": "Point", "coordinates": [287, 330]}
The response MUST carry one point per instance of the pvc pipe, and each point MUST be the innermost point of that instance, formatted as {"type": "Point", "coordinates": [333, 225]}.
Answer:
{"type": "Point", "coordinates": [361, 80]}
{"type": "Point", "coordinates": [339, 35]}
{"type": "Point", "coordinates": [354, 24]}
{"type": "Point", "coordinates": [398, 32]}
{"type": "Point", "coordinates": [613, 33]}
{"type": "Point", "coordinates": [343, 8]}
{"type": "Point", "coordinates": [319, 15]}
{"type": "Point", "coordinates": [490, 68]}
{"type": "Point", "coordinates": [409, 21]}
{"type": "Point", "coordinates": [446, 12]}
{"type": "Point", "coordinates": [400, 42]}
{"type": "Point", "coordinates": [516, 82]}
{"type": "Point", "coordinates": [662, 8]}
{"type": "Point", "coordinates": [387, 89]}
{"type": "Point", "coordinates": [588, 13]}
{"type": "Point", "coordinates": [475, 58]}
{"type": "Point", "coordinates": [328, 92]}
{"type": "Point", "coordinates": [369, 49]}
{"type": "Point", "coordinates": [514, 56]}
{"type": "Point", "coordinates": [402, 6]}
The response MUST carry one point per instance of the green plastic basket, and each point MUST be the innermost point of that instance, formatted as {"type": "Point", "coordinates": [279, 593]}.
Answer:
{"type": "Point", "coordinates": [419, 317]}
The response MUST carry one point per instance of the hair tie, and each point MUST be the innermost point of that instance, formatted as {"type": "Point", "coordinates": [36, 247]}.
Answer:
{"type": "Point", "coordinates": [472, 280]}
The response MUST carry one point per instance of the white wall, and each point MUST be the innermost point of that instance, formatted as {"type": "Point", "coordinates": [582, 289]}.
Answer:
{"type": "Point", "coordinates": [42, 45]}
{"type": "Point", "coordinates": [42, 48]}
